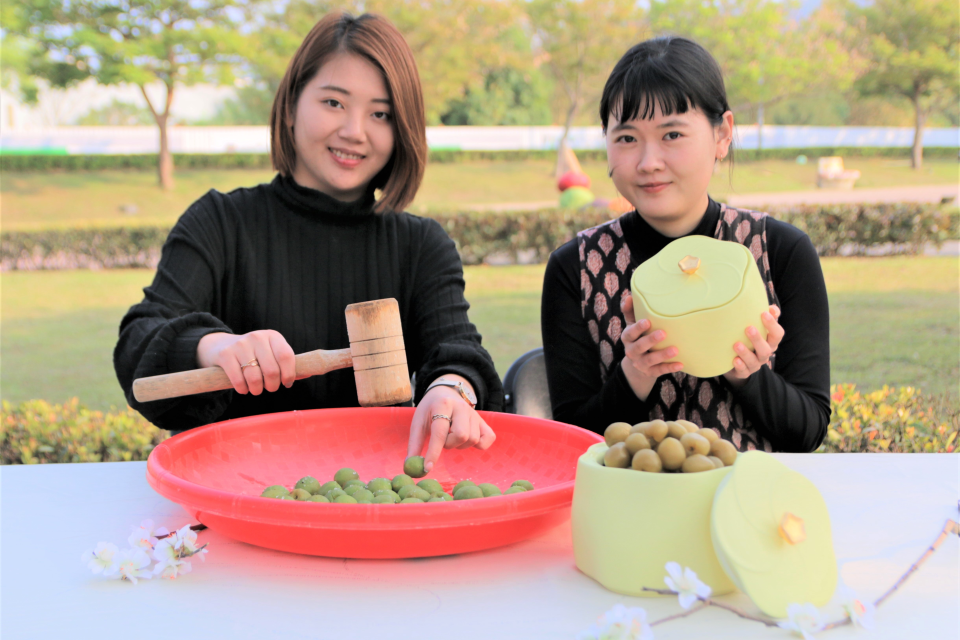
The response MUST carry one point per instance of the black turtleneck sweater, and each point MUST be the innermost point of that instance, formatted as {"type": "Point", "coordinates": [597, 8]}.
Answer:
{"type": "Point", "coordinates": [284, 257]}
{"type": "Point", "coordinates": [789, 405]}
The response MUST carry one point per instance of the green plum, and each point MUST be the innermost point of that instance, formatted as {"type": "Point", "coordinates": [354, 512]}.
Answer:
{"type": "Point", "coordinates": [413, 467]}
{"type": "Point", "coordinates": [400, 480]}
{"type": "Point", "coordinates": [345, 474]}
{"type": "Point", "coordinates": [275, 491]}
{"type": "Point", "coordinates": [308, 483]}
{"type": "Point", "coordinates": [327, 486]}
{"type": "Point", "coordinates": [468, 492]}
{"type": "Point", "coordinates": [489, 489]}
{"type": "Point", "coordinates": [379, 483]}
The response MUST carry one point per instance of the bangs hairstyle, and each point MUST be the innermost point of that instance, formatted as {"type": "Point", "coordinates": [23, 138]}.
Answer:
{"type": "Point", "coordinates": [376, 39]}
{"type": "Point", "coordinates": [675, 73]}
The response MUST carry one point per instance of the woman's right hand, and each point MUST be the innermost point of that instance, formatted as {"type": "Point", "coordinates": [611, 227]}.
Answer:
{"type": "Point", "coordinates": [642, 364]}
{"type": "Point", "coordinates": [277, 362]}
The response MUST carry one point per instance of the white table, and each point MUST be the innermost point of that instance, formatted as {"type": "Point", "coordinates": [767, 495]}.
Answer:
{"type": "Point", "coordinates": [885, 510]}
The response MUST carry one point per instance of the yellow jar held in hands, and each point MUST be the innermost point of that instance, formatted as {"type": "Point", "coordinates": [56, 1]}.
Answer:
{"type": "Point", "coordinates": [703, 293]}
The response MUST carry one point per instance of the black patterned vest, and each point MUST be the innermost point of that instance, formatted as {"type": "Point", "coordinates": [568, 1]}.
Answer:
{"type": "Point", "coordinates": [606, 266]}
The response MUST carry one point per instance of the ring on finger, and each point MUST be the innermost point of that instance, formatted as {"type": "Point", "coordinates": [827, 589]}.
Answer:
{"type": "Point", "coordinates": [440, 416]}
{"type": "Point", "coordinates": [252, 363]}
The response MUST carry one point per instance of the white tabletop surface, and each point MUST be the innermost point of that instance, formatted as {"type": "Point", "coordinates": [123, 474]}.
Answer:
{"type": "Point", "coordinates": [885, 510]}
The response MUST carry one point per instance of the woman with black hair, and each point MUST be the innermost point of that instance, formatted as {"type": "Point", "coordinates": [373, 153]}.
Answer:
{"type": "Point", "coordinates": [667, 123]}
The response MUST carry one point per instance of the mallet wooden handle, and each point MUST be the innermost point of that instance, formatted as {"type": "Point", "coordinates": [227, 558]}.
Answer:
{"type": "Point", "coordinates": [186, 383]}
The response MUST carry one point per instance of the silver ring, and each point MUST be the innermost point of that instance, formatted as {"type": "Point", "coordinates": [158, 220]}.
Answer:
{"type": "Point", "coordinates": [440, 416]}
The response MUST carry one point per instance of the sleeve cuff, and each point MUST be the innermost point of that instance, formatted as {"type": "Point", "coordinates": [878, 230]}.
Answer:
{"type": "Point", "coordinates": [628, 401]}
{"type": "Point", "coordinates": [464, 370]}
{"type": "Point", "coordinates": [182, 355]}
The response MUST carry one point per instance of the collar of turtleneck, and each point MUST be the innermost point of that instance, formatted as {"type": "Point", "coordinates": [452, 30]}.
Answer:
{"type": "Point", "coordinates": [312, 203]}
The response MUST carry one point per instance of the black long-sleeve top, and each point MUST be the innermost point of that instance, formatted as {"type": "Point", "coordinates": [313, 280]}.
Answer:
{"type": "Point", "coordinates": [789, 405]}
{"type": "Point", "coordinates": [284, 257]}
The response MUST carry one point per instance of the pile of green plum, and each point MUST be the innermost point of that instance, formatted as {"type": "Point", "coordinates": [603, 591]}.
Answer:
{"type": "Point", "coordinates": [660, 446]}
{"type": "Point", "coordinates": [347, 488]}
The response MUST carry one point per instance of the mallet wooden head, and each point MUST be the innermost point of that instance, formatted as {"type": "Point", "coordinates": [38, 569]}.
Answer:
{"type": "Point", "coordinates": [379, 357]}
{"type": "Point", "coordinates": [376, 353]}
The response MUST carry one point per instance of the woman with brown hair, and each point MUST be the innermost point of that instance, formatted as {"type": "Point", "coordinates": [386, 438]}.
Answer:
{"type": "Point", "coordinates": [251, 277]}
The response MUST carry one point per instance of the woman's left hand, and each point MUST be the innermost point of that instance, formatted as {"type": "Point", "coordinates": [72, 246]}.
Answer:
{"type": "Point", "coordinates": [464, 429]}
{"type": "Point", "coordinates": [748, 362]}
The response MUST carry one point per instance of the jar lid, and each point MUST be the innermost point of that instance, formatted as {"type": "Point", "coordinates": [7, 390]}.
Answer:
{"type": "Point", "coordinates": [771, 531]}
{"type": "Point", "coordinates": [691, 274]}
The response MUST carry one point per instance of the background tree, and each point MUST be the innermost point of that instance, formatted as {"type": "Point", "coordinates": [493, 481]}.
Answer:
{"type": "Point", "coordinates": [579, 42]}
{"type": "Point", "coordinates": [455, 42]}
{"type": "Point", "coordinates": [911, 50]}
{"type": "Point", "coordinates": [766, 55]}
{"type": "Point", "coordinates": [174, 42]}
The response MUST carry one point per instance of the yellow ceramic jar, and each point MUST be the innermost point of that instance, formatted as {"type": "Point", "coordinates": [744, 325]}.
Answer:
{"type": "Point", "coordinates": [704, 293]}
{"type": "Point", "coordinates": [627, 525]}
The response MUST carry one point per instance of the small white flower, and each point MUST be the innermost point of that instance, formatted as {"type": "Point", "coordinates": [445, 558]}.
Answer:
{"type": "Point", "coordinates": [170, 569]}
{"type": "Point", "coordinates": [860, 612]}
{"type": "Point", "coordinates": [804, 620]}
{"type": "Point", "coordinates": [145, 536]}
{"type": "Point", "coordinates": [103, 559]}
{"type": "Point", "coordinates": [188, 539]}
{"type": "Point", "coordinates": [685, 582]}
{"type": "Point", "coordinates": [620, 623]}
{"type": "Point", "coordinates": [167, 550]}
{"type": "Point", "coordinates": [130, 564]}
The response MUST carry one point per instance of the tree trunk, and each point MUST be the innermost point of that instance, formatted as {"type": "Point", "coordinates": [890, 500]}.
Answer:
{"type": "Point", "coordinates": [759, 128]}
{"type": "Point", "coordinates": [916, 154]}
{"type": "Point", "coordinates": [571, 114]}
{"type": "Point", "coordinates": [165, 159]}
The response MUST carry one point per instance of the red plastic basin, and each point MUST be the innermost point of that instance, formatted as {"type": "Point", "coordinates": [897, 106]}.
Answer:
{"type": "Point", "coordinates": [217, 473]}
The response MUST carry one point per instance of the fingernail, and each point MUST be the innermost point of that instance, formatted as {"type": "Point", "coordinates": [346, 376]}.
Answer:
{"type": "Point", "coordinates": [661, 335]}
{"type": "Point", "coordinates": [767, 316]}
{"type": "Point", "coordinates": [427, 466]}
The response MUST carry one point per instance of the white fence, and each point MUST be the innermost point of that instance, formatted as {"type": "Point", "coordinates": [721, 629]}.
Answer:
{"type": "Point", "coordinates": [130, 140]}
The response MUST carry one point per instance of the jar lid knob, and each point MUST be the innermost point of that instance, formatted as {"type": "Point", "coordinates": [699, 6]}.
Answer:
{"type": "Point", "coordinates": [791, 529]}
{"type": "Point", "coordinates": [689, 264]}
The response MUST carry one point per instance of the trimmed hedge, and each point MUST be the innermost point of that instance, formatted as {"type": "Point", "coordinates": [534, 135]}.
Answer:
{"type": "Point", "coordinates": [888, 420]}
{"type": "Point", "coordinates": [23, 163]}
{"type": "Point", "coordinates": [37, 431]}
{"type": "Point", "coordinates": [506, 237]}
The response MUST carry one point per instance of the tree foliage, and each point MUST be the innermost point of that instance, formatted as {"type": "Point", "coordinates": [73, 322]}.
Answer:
{"type": "Point", "coordinates": [579, 42]}
{"type": "Point", "coordinates": [764, 53]}
{"type": "Point", "coordinates": [911, 49]}
{"type": "Point", "coordinates": [174, 42]}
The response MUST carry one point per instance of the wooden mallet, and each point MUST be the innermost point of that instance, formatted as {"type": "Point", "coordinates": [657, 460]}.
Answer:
{"type": "Point", "coordinates": [376, 353]}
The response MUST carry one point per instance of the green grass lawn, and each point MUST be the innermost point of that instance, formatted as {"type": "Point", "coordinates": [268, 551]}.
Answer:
{"type": "Point", "coordinates": [894, 321]}
{"type": "Point", "coordinates": [35, 201]}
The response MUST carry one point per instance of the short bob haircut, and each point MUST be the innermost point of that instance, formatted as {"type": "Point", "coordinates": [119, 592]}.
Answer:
{"type": "Point", "coordinates": [675, 73]}
{"type": "Point", "coordinates": [377, 40]}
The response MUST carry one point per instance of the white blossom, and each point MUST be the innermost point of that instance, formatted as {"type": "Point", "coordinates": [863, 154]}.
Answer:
{"type": "Point", "coordinates": [130, 565]}
{"type": "Point", "coordinates": [103, 559]}
{"type": "Point", "coordinates": [145, 536]}
{"type": "Point", "coordinates": [172, 568]}
{"type": "Point", "coordinates": [804, 620]}
{"type": "Point", "coordinates": [188, 542]}
{"type": "Point", "coordinates": [620, 623]}
{"type": "Point", "coordinates": [684, 581]}
{"type": "Point", "coordinates": [860, 612]}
